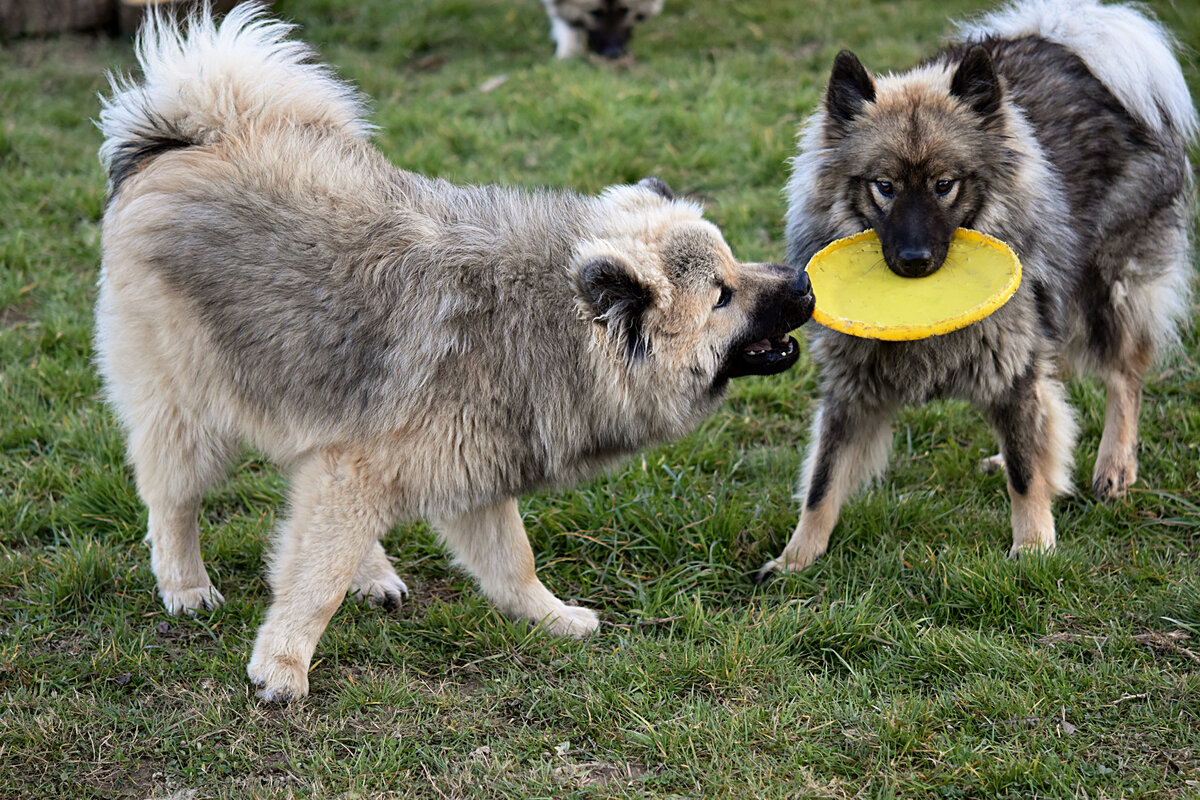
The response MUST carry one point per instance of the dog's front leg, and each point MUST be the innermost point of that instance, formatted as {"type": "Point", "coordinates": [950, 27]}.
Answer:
{"type": "Point", "coordinates": [339, 511]}
{"type": "Point", "coordinates": [492, 544]}
{"type": "Point", "coordinates": [851, 444]}
{"type": "Point", "coordinates": [1037, 429]}
{"type": "Point", "coordinates": [568, 41]}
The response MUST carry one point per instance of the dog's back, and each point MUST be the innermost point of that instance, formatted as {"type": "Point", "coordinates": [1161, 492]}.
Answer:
{"type": "Point", "coordinates": [1108, 104]}
{"type": "Point", "coordinates": [1131, 54]}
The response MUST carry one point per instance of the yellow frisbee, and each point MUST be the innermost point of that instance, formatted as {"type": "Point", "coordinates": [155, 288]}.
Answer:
{"type": "Point", "coordinates": [857, 294]}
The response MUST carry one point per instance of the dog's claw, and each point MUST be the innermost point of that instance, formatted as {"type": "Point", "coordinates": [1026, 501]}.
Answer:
{"type": "Point", "coordinates": [1108, 487]}
{"type": "Point", "coordinates": [767, 573]}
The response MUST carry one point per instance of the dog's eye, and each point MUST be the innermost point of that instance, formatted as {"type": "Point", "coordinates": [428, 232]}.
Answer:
{"type": "Point", "coordinates": [725, 297]}
{"type": "Point", "coordinates": [639, 17]}
{"type": "Point", "coordinates": [885, 188]}
{"type": "Point", "coordinates": [943, 187]}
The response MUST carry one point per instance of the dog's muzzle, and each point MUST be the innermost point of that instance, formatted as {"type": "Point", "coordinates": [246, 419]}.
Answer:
{"type": "Point", "coordinates": [769, 349]}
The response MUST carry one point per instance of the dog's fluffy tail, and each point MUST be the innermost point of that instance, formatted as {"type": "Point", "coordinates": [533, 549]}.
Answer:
{"type": "Point", "coordinates": [203, 81]}
{"type": "Point", "coordinates": [1130, 53]}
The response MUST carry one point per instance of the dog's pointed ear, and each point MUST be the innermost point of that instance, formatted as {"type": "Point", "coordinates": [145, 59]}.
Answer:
{"type": "Point", "coordinates": [975, 82]}
{"type": "Point", "coordinates": [658, 186]}
{"type": "Point", "coordinates": [850, 87]}
{"type": "Point", "coordinates": [617, 300]}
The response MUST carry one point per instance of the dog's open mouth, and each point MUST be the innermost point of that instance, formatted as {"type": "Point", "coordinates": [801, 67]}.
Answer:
{"type": "Point", "coordinates": [764, 357]}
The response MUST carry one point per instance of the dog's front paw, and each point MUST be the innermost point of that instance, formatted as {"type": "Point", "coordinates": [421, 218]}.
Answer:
{"type": "Point", "coordinates": [992, 464]}
{"type": "Point", "coordinates": [1113, 476]}
{"type": "Point", "coordinates": [1033, 545]}
{"type": "Point", "coordinates": [278, 679]}
{"type": "Point", "coordinates": [793, 559]}
{"type": "Point", "coordinates": [574, 621]}
{"type": "Point", "coordinates": [387, 592]}
{"type": "Point", "coordinates": [191, 601]}
{"type": "Point", "coordinates": [768, 571]}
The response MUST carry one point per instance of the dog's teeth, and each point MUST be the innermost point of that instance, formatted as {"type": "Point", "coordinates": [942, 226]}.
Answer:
{"type": "Point", "coordinates": [758, 348]}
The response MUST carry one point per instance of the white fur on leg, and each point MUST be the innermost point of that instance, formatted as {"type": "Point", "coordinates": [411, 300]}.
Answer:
{"type": "Point", "coordinates": [338, 515]}
{"type": "Point", "coordinates": [861, 456]}
{"type": "Point", "coordinates": [569, 42]}
{"type": "Point", "coordinates": [1032, 520]}
{"type": "Point", "coordinates": [1032, 514]}
{"type": "Point", "coordinates": [492, 544]}
{"type": "Point", "coordinates": [183, 582]}
{"type": "Point", "coordinates": [175, 461]}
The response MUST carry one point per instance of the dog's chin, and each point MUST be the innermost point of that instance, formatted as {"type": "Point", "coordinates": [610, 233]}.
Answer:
{"type": "Point", "coordinates": [768, 356]}
{"type": "Point", "coordinates": [612, 45]}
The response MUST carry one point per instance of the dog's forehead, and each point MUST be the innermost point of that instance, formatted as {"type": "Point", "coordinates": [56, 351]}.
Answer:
{"type": "Point", "coordinates": [586, 6]}
{"type": "Point", "coordinates": [572, 9]}
{"type": "Point", "coordinates": [915, 126]}
{"type": "Point", "coordinates": [696, 253]}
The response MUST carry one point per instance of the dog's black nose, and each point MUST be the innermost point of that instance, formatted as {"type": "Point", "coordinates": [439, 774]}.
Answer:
{"type": "Point", "coordinates": [802, 285]}
{"type": "Point", "coordinates": [915, 260]}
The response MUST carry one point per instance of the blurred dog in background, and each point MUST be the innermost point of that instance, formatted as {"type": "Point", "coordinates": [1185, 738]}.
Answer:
{"type": "Point", "coordinates": [603, 27]}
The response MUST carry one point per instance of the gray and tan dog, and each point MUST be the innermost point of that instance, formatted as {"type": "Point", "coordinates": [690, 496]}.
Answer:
{"type": "Point", "coordinates": [603, 27]}
{"type": "Point", "coordinates": [404, 348]}
{"type": "Point", "coordinates": [1061, 128]}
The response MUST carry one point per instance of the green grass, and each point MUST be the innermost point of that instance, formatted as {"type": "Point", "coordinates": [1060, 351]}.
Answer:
{"type": "Point", "coordinates": [914, 660]}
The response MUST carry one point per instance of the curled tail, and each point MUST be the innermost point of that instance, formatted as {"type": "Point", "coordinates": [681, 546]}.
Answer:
{"type": "Point", "coordinates": [203, 82]}
{"type": "Point", "coordinates": [1129, 52]}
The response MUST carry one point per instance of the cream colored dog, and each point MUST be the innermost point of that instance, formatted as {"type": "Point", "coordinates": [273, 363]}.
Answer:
{"type": "Point", "coordinates": [403, 348]}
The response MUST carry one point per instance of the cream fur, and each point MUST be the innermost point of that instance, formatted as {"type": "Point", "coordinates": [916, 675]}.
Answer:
{"type": "Point", "coordinates": [401, 347]}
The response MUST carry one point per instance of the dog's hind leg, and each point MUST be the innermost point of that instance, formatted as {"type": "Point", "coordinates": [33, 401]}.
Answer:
{"type": "Point", "coordinates": [340, 509]}
{"type": "Point", "coordinates": [492, 544]}
{"type": "Point", "coordinates": [1037, 429]}
{"type": "Point", "coordinates": [851, 446]}
{"type": "Point", "coordinates": [1116, 461]}
{"type": "Point", "coordinates": [175, 459]}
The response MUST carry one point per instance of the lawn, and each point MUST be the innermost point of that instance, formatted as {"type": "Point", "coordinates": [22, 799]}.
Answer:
{"type": "Point", "coordinates": [914, 660]}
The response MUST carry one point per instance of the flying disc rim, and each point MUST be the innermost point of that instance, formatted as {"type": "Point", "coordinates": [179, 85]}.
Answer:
{"type": "Point", "coordinates": [908, 332]}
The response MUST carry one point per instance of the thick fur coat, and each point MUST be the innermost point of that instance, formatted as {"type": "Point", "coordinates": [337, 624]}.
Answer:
{"type": "Point", "coordinates": [1061, 129]}
{"type": "Point", "coordinates": [402, 347]}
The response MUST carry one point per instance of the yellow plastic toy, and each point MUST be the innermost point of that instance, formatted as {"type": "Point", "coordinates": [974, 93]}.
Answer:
{"type": "Point", "coordinates": [857, 294]}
